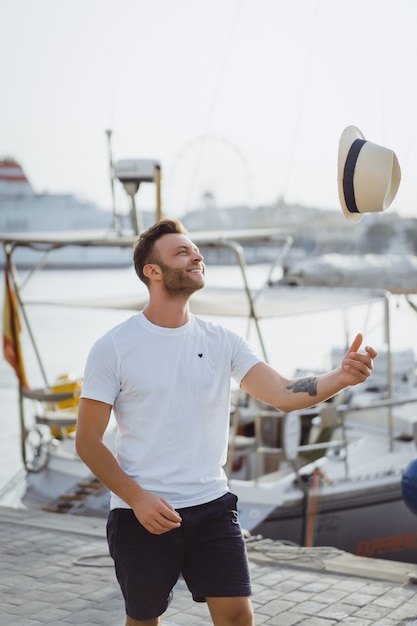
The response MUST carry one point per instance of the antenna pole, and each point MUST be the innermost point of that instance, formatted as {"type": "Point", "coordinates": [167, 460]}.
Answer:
{"type": "Point", "coordinates": [159, 214]}
{"type": "Point", "coordinates": [116, 221]}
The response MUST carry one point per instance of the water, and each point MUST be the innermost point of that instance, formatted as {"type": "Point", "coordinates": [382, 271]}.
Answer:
{"type": "Point", "coordinates": [64, 335]}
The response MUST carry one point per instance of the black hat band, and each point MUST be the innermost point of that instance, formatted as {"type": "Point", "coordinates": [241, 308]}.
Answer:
{"type": "Point", "coordinates": [348, 173]}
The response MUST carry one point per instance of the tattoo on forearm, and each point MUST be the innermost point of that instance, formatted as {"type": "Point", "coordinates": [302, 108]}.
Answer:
{"type": "Point", "coordinates": [304, 385]}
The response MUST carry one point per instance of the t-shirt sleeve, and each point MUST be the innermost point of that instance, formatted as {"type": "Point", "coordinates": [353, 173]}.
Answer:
{"type": "Point", "coordinates": [101, 374]}
{"type": "Point", "coordinates": [244, 357]}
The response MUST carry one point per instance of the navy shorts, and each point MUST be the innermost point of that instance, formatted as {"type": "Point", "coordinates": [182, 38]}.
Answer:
{"type": "Point", "coordinates": [208, 550]}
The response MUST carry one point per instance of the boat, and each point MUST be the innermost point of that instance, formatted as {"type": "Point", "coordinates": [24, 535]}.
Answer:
{"type": "Point", "coordinates": [329, 475]}
{"type": "Point", "coordinates": [396, 272]}
{"type": "Point", "coordinates": [22, 211]}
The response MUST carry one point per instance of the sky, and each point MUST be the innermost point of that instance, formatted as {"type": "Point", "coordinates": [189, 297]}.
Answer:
{"type": "Point", "coordinates": [246, 99]}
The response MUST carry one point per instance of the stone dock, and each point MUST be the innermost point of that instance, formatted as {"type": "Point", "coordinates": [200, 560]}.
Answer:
{"type": "Point", "coordinates": [55, 569]}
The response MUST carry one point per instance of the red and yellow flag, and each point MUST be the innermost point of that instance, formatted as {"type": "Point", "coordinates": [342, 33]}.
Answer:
{"type": "Point", "coordinates": [12, 349]}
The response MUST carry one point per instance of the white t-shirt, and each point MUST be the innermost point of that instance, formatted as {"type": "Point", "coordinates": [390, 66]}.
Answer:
{"type": "Point", "coordinates": [170, 392]}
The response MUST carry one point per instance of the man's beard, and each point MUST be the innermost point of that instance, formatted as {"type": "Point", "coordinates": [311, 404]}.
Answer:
{"type": "Point", "coordinates": [177, 282]}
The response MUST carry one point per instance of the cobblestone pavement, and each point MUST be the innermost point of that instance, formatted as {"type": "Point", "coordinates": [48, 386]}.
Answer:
{"type": "Point", "coordinates": [55, 569]}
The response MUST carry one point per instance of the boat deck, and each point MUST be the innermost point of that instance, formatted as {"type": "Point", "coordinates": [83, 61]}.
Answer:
{"type": "Point", "coordinates": [56, 569]}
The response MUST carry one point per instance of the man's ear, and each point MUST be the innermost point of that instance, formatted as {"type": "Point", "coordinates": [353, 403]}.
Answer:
{"type": "Point", "coordinates": [151, 270]}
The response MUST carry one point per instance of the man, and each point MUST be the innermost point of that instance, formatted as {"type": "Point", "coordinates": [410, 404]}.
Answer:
{"type": "Point", "coordinates": [166, 374]}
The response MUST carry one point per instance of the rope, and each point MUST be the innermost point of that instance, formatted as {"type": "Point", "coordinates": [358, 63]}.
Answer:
{"type": "Point", "coordinates": [214, 98]}
{"type": "Point", "coordinates": [269, 548]}
{"type": "Point", "coordinates": [83, 561]}
{"type": "Point", "coordinates": [287, 551]}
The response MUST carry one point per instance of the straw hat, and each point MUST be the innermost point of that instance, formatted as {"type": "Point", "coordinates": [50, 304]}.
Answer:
{"type": "Point", "coordinates": [368, 175]}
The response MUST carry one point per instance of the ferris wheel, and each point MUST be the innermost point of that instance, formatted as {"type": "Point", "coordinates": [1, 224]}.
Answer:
{"type": "Point", "coordinates": [208, 167]}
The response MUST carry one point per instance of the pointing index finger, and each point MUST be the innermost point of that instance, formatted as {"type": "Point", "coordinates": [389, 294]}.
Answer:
{"type": "Point", "coordinates": [356, 343]}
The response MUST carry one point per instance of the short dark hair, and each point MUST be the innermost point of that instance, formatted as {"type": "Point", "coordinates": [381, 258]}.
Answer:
{"type": "Point", "coordinates": [143, 248]}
